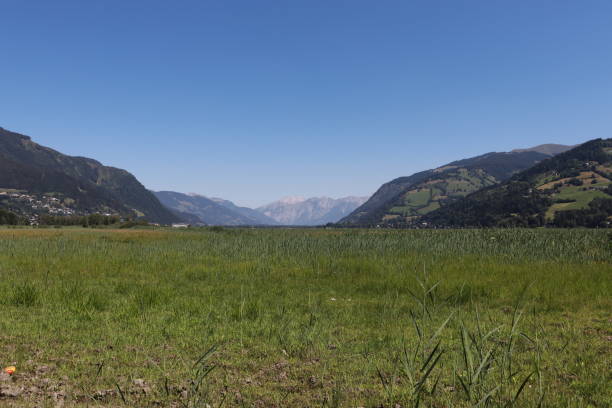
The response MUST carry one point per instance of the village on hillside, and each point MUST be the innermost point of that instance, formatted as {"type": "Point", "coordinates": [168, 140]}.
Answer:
{"type": "Point", "coordinates": [34, 205]}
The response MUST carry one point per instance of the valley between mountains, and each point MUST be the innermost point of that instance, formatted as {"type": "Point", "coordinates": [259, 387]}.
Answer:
{"type": "Point", "coordinates": [545, 185]}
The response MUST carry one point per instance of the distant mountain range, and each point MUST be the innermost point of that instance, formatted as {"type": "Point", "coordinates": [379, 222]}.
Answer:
{"type": "Point", "coordinates": [573, 188]}
{"type": "Point", "coordinates": [311, 211]}
{"type": "Point", "coordinates": [406, 199]}
{"type": "Point", "coordinates": [77, 184]}
{"type": "Point", "coordinates": [211, 211]}
{"type": "Point", "coordinates": [287, 211]}
{"type": "Point", "coordinates": [254, 216]}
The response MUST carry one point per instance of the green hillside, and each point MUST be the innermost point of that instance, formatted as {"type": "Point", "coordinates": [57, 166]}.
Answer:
{"type": "Point", "coordinates": [406, 199]}
{"type": "Point", "coordinates": [571, 189]}
{"type": "Point", "coordinates": [428, 196]}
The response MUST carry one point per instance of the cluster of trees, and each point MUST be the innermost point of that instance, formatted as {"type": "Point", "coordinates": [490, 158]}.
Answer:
{"type": "Point", "coordinates": [85, 220]}
{"type": "Point", "coordinates": [596, 215]}
{"type": "Point", "coordinates": [91, 220]}
{"type": "Point", "coordinates": [515, 204]}
{"type": "Point", "coordinates": [134, 223]}
{"type": "Point", "coordinates": [10, 218]}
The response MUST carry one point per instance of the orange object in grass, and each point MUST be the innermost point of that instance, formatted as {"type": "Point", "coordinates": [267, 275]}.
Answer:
{"type": "Point", "coordinates": [10, 369]}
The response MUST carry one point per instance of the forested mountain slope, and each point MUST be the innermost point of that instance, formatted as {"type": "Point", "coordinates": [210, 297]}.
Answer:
{"type": "Point", "coordinates": [82, 184]}
{"type": "Point", "coordinates": [406, 199]}
{"type": "Point", "coordinates": [571, 189]}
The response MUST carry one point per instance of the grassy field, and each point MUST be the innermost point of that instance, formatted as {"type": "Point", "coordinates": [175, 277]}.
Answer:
{"type": "Point", "coordinates": [581, 199]}
{"type": "Point", "coordinates": [306, 318]}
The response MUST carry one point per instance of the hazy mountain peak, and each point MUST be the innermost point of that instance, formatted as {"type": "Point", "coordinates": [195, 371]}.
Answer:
{"type": "Point", "coordinates": [311, 211]}
{"type": "Point", "coordinates": [212, 211]}
{"type": "Point", "coordinates": [353, 198]}
{"type": "Point", "coordinates": [292, 200]}
{"type": "Point", "coordinates": [550, 149]}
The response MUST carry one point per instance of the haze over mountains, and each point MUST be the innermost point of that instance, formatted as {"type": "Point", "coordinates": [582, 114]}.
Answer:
{"type": "Point", "coordinates": [287, 211]}
{"type": "Point", "coordinates": [311, 211]}
{"type": "Point", "coordinates": [211, 211]}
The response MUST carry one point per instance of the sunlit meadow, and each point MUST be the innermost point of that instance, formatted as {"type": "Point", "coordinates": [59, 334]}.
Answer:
{"type": "Point", "coordinates": [306, 317]}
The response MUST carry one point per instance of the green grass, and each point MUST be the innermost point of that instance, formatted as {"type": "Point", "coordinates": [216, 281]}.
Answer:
{"type": "Point", "coordinates": [427, 198]}
{"type": "Point", "coordinates": [434, 205]}
{"type": "Point", "coordinates": [413, 201]}
{"type": "Point", "coordinates": [326, 318]}
{"type": "Point", "coordinates": [581, 198]}
{"type": "Point", "coordinates": [417, 199]}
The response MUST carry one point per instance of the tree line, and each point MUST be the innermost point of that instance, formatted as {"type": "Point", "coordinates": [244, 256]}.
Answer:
{"type": "Point", "coordinates": [83, 220]}
{"type": "Point", "coordinates": [92, 220]}
{"type": "Point", "coordinates": [10, 218]}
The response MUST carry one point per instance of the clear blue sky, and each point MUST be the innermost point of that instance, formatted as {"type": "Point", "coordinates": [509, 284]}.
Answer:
{"type": "Point", "coordinates": [254, 100]}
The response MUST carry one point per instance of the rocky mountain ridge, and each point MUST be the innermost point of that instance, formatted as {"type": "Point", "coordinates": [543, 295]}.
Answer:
{"type": "Point", "coordinates": [311, 211]}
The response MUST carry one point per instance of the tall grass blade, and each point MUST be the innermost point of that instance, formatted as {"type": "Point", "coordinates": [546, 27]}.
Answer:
{"type": "Point", "coordinates": [429, 370]}
{"type": "Point", "coordinates": [465, 388]}
{"type": "Point", "coordinates": [121, 394]}
{"type": "Point", "coordinates": [439, 330]}
{"type": "Point", "coordinates": [484, 361]}
{"type": "Point", "coordinates": [521, 388]}
{"type": "Point", "coordinates": [488, 395]}
{"type": "Point", "coordinates": [416, 326]}
{"type": "Point", "coordinates": [435, 349]}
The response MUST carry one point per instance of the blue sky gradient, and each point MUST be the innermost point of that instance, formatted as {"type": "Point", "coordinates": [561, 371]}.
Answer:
{"type": "Point", "coordinates": [255, 100]}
